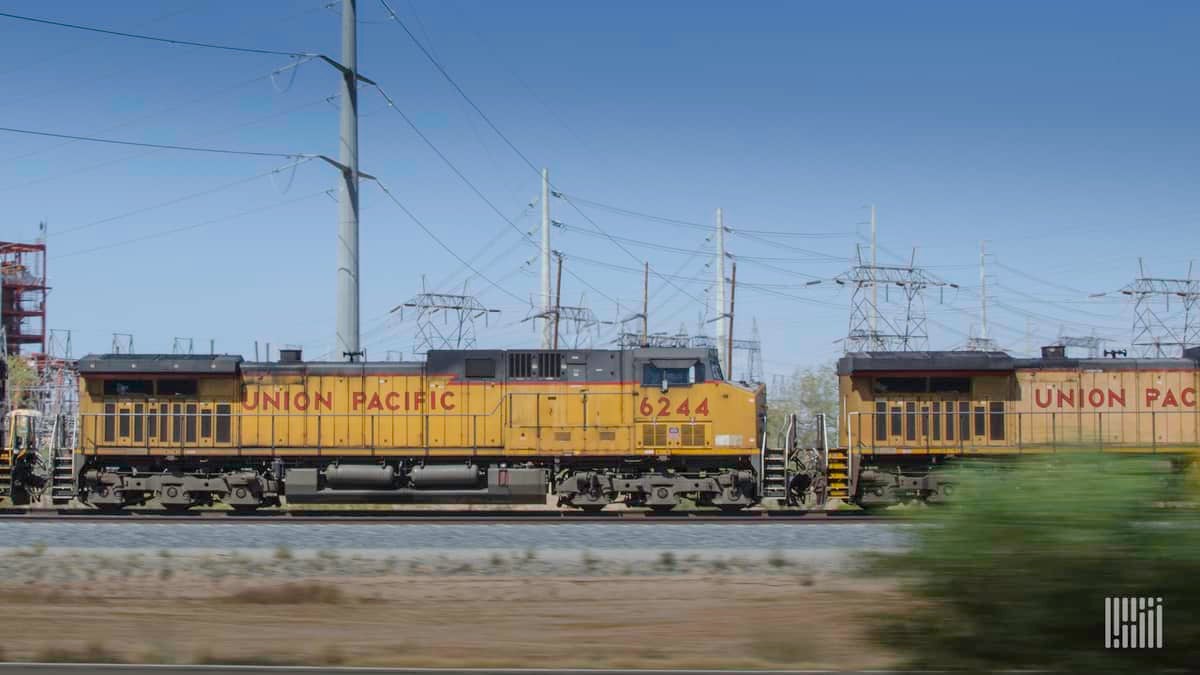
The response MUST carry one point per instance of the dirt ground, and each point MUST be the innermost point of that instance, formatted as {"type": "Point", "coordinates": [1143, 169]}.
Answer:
{"type": "Point", "coordinates": [649, 621]}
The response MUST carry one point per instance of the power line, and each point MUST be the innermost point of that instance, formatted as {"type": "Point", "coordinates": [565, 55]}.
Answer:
{"type": "Point", "coordinates": [185, 104]}
{"type": "Point", "coordinates": [701, 226]}
{"type": "Point", "coordinates": [442, 244]}
{"type": "Point", "coordinates": [478, 193]}
{"type": "Point", "coordinates": [822, 258]}
{"type": "Point", "coordinates": [632, 242]}
{"type": "Point", "coordinates": [446, 75]}
{"type": "Point", "coordinates": [153, 38]}
{"type": "Point", "coordinates": [176, 200]}
{"type": "Point", "coordinates": [786, 246]}
{"type": "Point", "coordinates": [157, 146]}
{"type": "Point", "coordinates": [446, 160]}
{"type": "Point", "coordinates": [621, 246]}
{"type": "Point", "coordinates": [533, 167]}
{"type": "Point", "coordinates": [1052, 284]}
{"type": "Point", "coordinates": [647, 216]}
{"type": "Point", "coordinates": [118, 160]}
{"type": "Point", "coordinates": [194, 226]}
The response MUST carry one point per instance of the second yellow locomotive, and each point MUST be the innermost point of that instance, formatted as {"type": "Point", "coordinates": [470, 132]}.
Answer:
{"type": "Point", "coordinates": [643, 426]}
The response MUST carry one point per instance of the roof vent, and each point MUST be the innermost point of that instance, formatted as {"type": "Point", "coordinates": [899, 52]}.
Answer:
{"type": "Point", "coordinates": [289, 356]}
{"type": "Point", "coordinates": [1054, 352]}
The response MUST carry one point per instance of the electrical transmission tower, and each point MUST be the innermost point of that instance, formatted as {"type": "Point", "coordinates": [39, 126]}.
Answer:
{"type": "Point", "coordinates": [634, 340]}
{"type": "Point", "coordinates": [575, 325]}
{"type": "Point", "coordinates": [1160, 330]}
{"type": "Point", "coordinates": [182, 346]}
{"type": "Point", "coordinates": [576, 322]}
{"type": "Point", "coordinates": [982, 342]}
{"type": "Point", "coordinates": [751, 348]}
{"type": "Point", "coordinates": [881, 324]}
{"type": "Point", "coordinates": [458, 315]}
{"type": "Point", "coordinates": [1092, 343]}
{"type": "Point", "coordinates": [122, 343]}
{"type": "Point", "coordinates": [754, 367]}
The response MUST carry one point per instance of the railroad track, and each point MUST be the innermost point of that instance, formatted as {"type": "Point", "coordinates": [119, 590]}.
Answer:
{"type": "Point", "coordinates": [546, 516]}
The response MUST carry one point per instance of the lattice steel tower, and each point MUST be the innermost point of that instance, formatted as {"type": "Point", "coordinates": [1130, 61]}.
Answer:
{"type": "Point", "coordinates": [1158, 329]}
{"type": "Point", "coordinates": [881, 324]}
{"type": "Point", "coordinates": [458, 313]}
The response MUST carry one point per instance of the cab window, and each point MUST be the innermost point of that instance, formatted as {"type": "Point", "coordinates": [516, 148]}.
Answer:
{"type": "Point", "coordinates": [653, 376]}
{"type": "Point", "coordinates": [128, 387]}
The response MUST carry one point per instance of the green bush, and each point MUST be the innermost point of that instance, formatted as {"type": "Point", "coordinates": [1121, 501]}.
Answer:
{"type": "Point", "coordinates": [1014, 572]}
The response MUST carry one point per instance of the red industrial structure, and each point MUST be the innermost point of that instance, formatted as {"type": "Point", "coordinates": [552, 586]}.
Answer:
{"type": "Point", "coordinates": [23, 293]}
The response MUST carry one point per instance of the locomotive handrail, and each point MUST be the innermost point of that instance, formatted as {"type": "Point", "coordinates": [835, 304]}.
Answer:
{"type": "Point", "coordinates": [1031, 430]}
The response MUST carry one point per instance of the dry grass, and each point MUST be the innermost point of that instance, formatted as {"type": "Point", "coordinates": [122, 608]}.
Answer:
{"type": "Point", "coordinates": [291, 593]}
{"type": "Point", "coordinates": [663, 621]}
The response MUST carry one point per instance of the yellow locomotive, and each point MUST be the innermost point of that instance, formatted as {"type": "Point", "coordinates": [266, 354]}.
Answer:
{"type": "Point", "coordinates": [643, 426]}
{"type": "Point", "coordinates": [906, 413]}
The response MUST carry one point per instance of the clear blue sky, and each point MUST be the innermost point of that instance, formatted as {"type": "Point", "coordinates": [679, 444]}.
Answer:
{"type": "Point", "coordinates": [1063, 133]}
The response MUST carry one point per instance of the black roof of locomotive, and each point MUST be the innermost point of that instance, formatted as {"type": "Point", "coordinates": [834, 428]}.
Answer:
{"type": "Point", "coordinates": [159, 364]}
{"type": "Point", "coordinates": [436, 361]}
{"type": "Point", "coordinates": [998, 362]}
{"type": "Point", "coordinates": [859, 362]}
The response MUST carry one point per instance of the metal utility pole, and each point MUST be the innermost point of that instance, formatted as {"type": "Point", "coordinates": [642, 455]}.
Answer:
{"type": "Point", "coordinates": [645, 302]}
{"type": "Point", "coordinates": [546, 309]}
{"type": "Point", "coordinates": [729, 346]}
{"type": "Point", "coordinates": [874, 285]}
{"type": "Point", "coordinates": [557, 302]}
{"type": "Point", "coordinates": [347, 339]}
{"type": "Point", "coordinates": [721, 347]}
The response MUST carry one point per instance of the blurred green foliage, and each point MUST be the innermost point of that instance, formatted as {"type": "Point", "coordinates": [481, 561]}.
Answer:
{"type": "Point", "coordinates": [1014, 572]}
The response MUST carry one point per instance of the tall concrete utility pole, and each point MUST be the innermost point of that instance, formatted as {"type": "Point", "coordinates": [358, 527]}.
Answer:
{"type": "Point", "coordinates": [874, 288]}
{"type": "Point", "coordinates": [983, 328]}
{"type": "Point", "coordinates": [557, 303]}
{"type": "Point", "coordinates": [720, 318]}
{"type": "Point", "coordinates": [547, 329]}
{"type": "Point", "coordinates": [729, 347]}
{"type": "Point", "coordinates": [645, 303]}
{"type": "Point", "coordinates": [347, 342]}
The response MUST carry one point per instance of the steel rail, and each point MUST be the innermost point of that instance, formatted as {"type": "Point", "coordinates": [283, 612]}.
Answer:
{"type": "Point", "coordinates": [343, 517]}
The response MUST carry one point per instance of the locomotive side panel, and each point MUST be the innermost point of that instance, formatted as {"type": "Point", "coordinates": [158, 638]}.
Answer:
{"type": "Point", "coordinates": [990, 404]}
{"type": "Point", "coordinates": [1119, 409]}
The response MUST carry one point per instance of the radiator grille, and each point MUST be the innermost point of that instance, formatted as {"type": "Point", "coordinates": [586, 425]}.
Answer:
{"type": "Point", "coordinates": [608, 435]}
{"type": "Point", "coordinates": [562, 436]}
{"type": "Point", "coordinates": [654, 435]}
{"type": "Point", "coordinates": [543, 365]}
{"type": "Point", "coordinates": [692, 435]}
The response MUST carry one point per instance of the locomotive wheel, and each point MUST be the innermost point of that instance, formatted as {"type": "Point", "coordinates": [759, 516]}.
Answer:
{"type": "Point", "coordinates": [732, 508]}
{"type": "Point", "coordinates": [177, 508]}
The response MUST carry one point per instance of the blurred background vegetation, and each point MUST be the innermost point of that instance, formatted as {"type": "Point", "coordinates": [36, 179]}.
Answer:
{"type": "Point", "coordinates": [1014, 572]}
{"type": "Point", "coordinates": [22, 378]}
{"type": "Point", "coordinates": [806, 392]}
